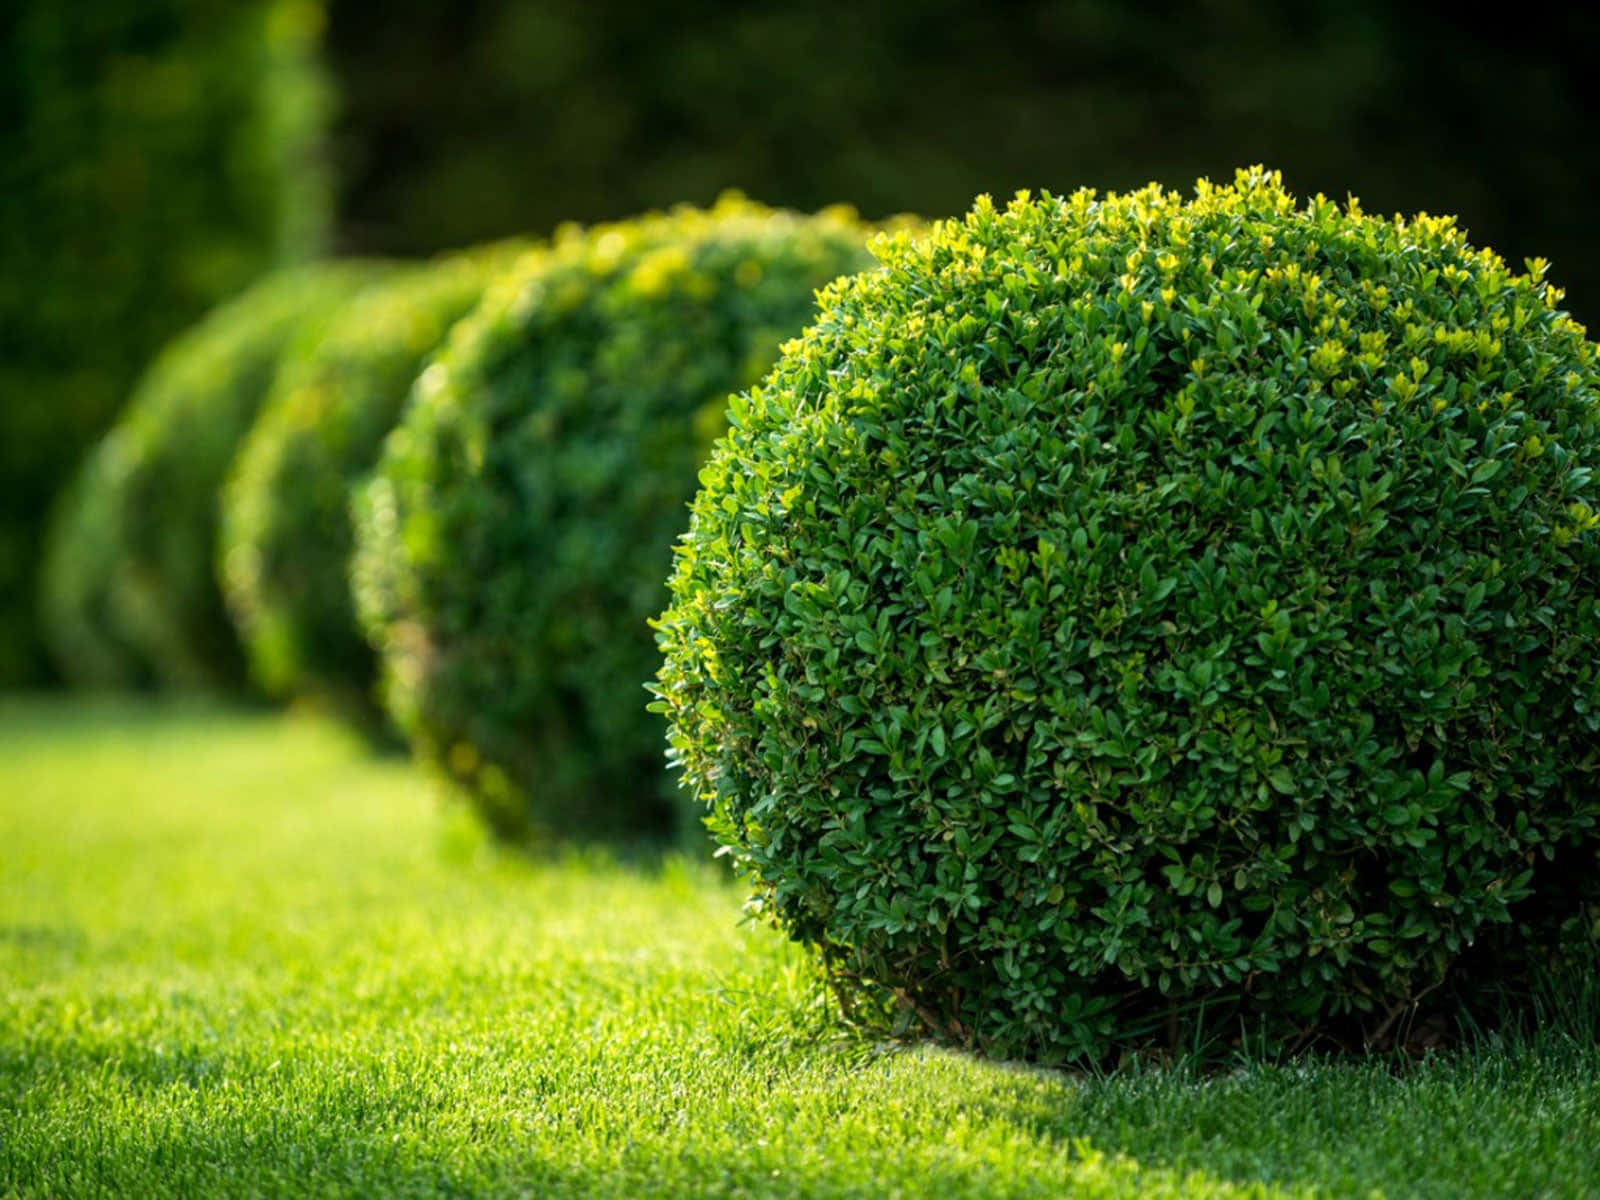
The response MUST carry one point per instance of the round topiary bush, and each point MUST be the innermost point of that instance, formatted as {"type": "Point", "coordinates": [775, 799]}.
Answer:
{"type": "Point", "coordinates": [1121, 611]}
{"type": "Point", "coordinates": [151, 572]}
{"type": "Point", "coordinates": [286, 535]}
{"type": "Point", "coordinates": [515, 539]}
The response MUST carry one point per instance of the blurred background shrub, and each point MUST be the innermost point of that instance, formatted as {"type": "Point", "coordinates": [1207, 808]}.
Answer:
{"type": "Point", "coordinates": [137, 571]}
{"type": "Point", "coordinates": [286, 535]}
{"type": "Point", "coordinates": [517, 535]}
{"type": "Point", "coordinates": [79, 574]}
{"type": "Point", "coordinates": [155, 156]}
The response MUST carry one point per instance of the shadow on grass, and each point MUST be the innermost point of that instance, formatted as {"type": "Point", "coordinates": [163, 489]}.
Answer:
{"type": "Point", "coordinates": [43, 939]}
{"type": "Point", "coordinates": [178, 1123]}
{"type": "Point", "coordinates": [1520, 1120]}
{"type": "Point", "coordinates": [193, 1120]}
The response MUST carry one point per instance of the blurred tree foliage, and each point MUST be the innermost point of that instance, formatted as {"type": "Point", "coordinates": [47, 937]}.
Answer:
{"type": "Point", "coordinates": [466, 119]}
{"type": "Point", "coordinates": [155, 155]}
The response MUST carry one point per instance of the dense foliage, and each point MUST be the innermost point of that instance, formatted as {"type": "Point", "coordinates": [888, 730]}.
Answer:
{"type": "Point", "coordinates": [286, 536]}
{"type": "Point", "coordinates": [515, 539]}
{"type": "Point", "coordinates": [138, 547]}
{"type": "Point", "coordinates": [1123, 609]}
{"type": "Point", "coordinates": [155, 156]}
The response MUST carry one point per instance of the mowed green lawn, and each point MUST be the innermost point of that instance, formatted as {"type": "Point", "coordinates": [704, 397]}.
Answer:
{"type": "Point", "coordinates": [239, 956]}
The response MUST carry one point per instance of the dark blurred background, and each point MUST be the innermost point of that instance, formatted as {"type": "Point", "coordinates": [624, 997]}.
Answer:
{"type": "Point", "coordinates": [155, 154]}
{"type": "Point", "coordinates": [472, 117]}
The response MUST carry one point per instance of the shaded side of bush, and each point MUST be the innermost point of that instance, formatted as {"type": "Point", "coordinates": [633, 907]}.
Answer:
{"type": "Point", "coordinates": [79, 573]}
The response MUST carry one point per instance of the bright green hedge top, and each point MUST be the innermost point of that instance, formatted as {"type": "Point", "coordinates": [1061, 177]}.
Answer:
{"type": "Point", "coordinates": [286, 534]}
{"type": "Point", "coordinates": [517, 535]}
{"type": "Point", "coordinates": [152, 574]}
{"type": "Point", "coordinates": [1124, 603]}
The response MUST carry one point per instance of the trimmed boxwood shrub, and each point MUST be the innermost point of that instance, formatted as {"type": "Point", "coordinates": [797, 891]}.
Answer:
{"type": "Point", "coordinates": [515, 539]}
{"type": "Point", "coordinates": [286, 536]}
{"type": "Point", "coordinates": [151, 573]}
{"type": "Point", "coordinates": [1120, 611]}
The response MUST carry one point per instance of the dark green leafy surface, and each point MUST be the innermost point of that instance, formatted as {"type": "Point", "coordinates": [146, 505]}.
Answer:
{"type": "Point", "coordinates": [514, 541]}
{"type": "Point", "coordinates": [286, 536]}
{"type": "Point", "coordinates": [1124, 609]}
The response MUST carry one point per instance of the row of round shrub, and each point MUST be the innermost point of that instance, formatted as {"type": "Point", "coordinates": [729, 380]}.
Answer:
{"type": "Point", "coordinates": [286, 535]}
{"type": "Point", "coordinates": [1125, 610]}
{"type": "Point", "coordinates": [1112, 616]}
{"type": "Point", "coordinates": [516, 537]}
{"type": "Point", "coordinates": [610, 352]}
{"type": "Point", "coordinates": [129, 580]}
